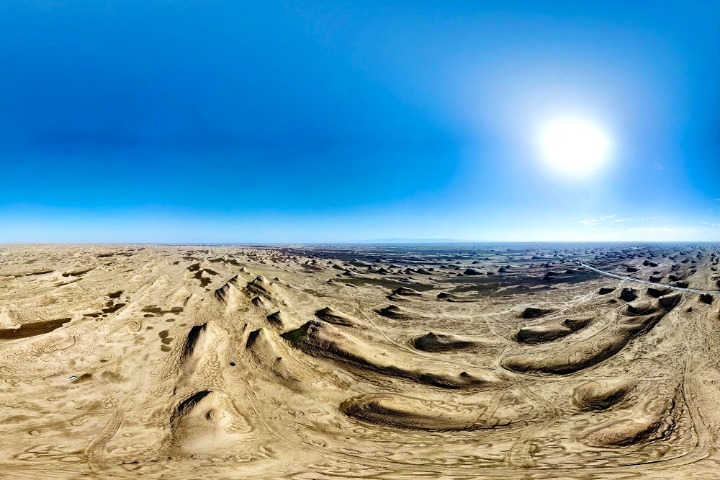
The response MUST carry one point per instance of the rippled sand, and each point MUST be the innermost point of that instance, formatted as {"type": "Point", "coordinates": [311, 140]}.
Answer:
{"type": "Point", "coordinates": [374, 362]}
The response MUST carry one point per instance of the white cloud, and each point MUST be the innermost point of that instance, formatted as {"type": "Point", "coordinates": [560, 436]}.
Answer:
{"type": "Point", "coordinates": [649, 228]}
{"type": "Point", "coordinates": [615, 219]}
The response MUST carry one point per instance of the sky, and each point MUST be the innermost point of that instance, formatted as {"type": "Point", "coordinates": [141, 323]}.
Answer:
{"type": "Point", "coordinates": [287, 122]}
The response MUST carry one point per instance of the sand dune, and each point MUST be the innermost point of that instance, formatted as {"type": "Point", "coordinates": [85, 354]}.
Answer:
{"type": "Point", "coordinates": [324, 340]}
{"type": "Point", "coordinates": [590, 351]}
{"type": "Point", "coordinates": [550, 330]}
{"type": "Point", "coordinates": [229, 362]}
{"type": "Point", "coordinates": [330, 315]}
{"type": "Point", "coordinates": [441, 342]}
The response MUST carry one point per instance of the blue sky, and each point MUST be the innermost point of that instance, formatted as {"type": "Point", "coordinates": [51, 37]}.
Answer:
{"type": "Point", "coordinates": [264, 121]}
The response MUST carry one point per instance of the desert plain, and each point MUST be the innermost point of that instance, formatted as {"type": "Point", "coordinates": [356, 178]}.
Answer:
{"type": "Point", "coordinates": [321, 362]}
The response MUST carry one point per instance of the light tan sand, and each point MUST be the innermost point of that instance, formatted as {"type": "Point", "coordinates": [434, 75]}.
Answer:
{"type": "Point", "coordinates": [319, 363]}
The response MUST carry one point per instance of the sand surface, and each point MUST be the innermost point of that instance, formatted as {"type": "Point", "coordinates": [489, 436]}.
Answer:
{"type": "Point", "coordinates": [374, 362]}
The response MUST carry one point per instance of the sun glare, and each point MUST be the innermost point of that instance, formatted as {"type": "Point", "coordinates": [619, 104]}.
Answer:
{"type": "Point", "coordinates": [574, 147]}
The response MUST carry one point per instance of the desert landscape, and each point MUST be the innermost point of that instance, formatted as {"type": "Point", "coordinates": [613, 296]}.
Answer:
{"type": "Point", "coordinates": [332, 239]}
{"type": "Point", "coordinates": [318, 362]}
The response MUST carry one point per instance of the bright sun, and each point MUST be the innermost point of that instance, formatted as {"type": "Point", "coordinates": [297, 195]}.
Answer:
{"type": "Point", "coordinates": [574, 147]}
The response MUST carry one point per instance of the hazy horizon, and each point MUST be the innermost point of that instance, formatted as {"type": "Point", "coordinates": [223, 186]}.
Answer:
{"type": "Point", "coordinates": [409, 243]}
{"type": "Point", "coordinates": [327, 122]}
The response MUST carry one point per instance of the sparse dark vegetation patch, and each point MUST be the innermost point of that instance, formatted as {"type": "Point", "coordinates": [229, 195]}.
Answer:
{"type": "Point", "coordinates": [77, 273]}
{"type": "Point", "coordinates": [159, 311]}
{"type": "Point", "coordinates": [204, 282]}
{"type": "Point", "coordinates": [386, 282]}
{"type": "Point", "coordinates": [113, 308]}
{"type": "Point", "coordinates": [42, 272]}
{"type": "Point", "coordinates": [32, 329]}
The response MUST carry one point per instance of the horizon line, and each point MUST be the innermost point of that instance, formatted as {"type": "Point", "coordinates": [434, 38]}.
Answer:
{"type": "Point", "coordinates": [370, 242]}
